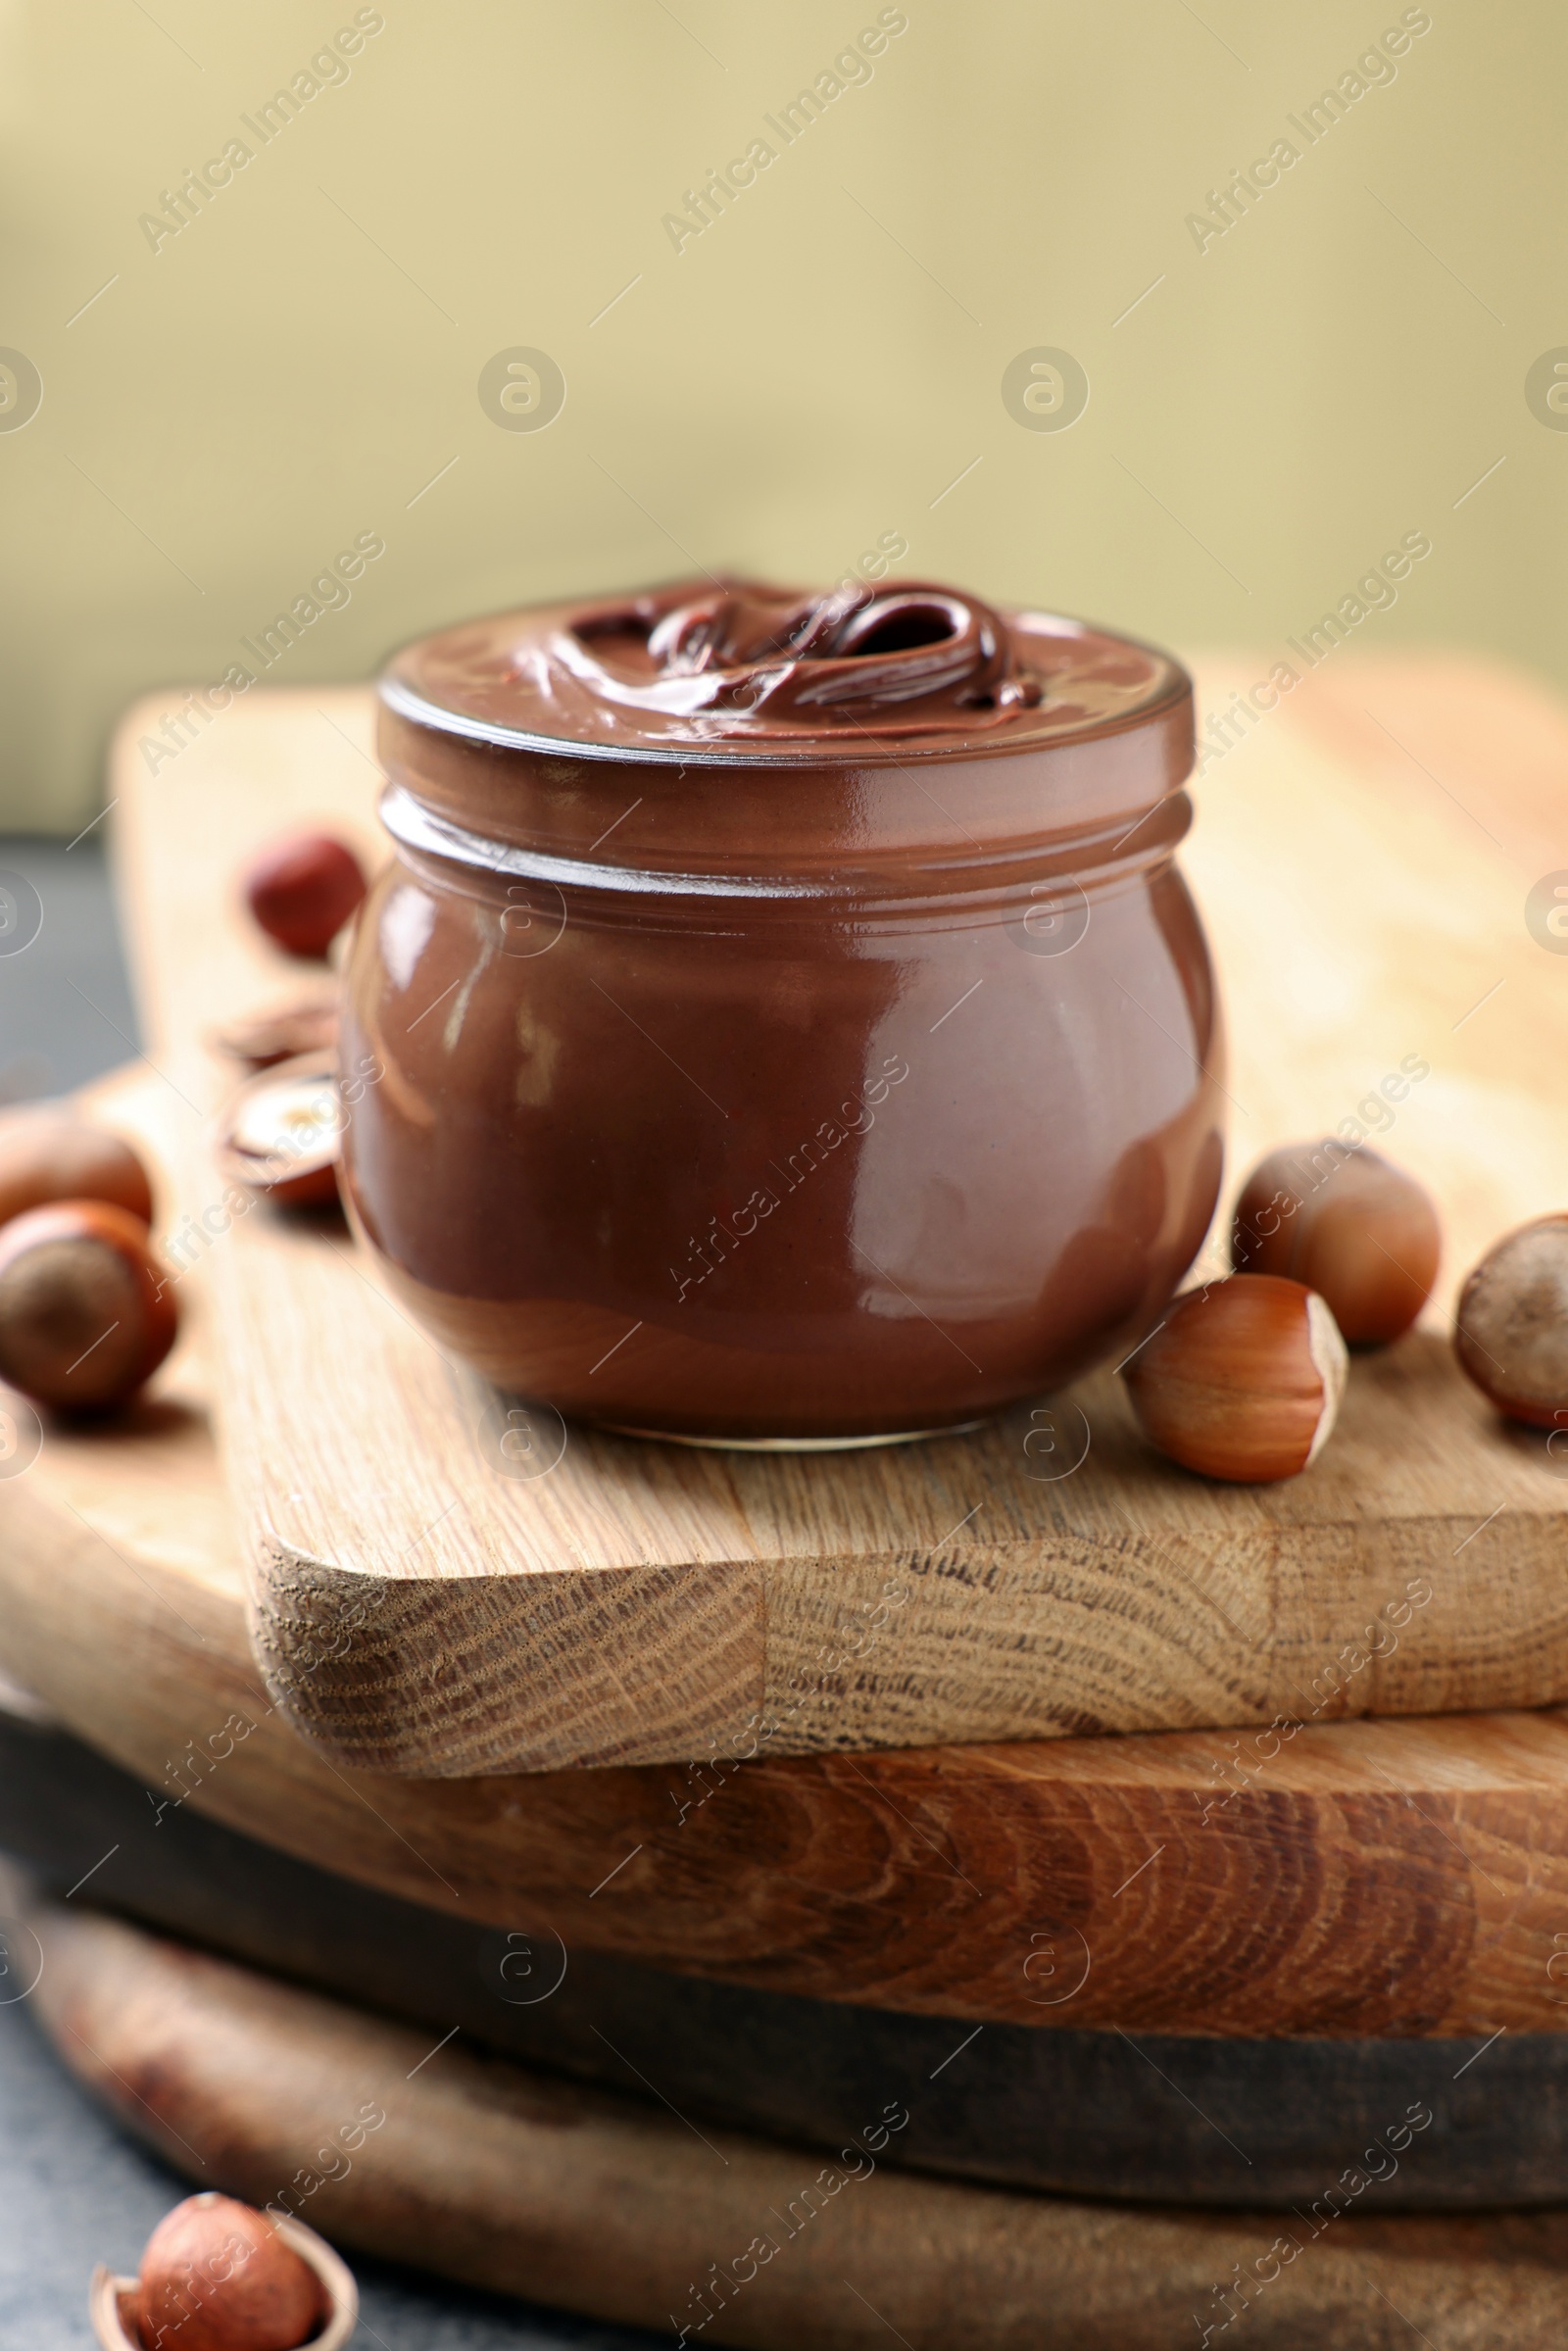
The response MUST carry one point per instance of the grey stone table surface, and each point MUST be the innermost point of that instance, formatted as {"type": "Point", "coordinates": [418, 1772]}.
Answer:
{"type": "Point", "coordinates": [73, 2190]}
{"type": "Point", "coordinates": [65, 1004]}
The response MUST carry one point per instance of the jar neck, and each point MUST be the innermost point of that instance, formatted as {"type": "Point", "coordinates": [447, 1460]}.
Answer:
{"type": "Point", "coordinates": [880, 828]}
{"type": "Point", "coordinates": [974, 889]}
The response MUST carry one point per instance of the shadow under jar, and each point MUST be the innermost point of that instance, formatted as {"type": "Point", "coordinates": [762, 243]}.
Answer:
{"type": "Point", "coordinates": [794, 1027]}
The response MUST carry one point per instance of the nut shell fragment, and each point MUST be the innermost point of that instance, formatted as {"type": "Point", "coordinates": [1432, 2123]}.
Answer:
{"type": "Point", "coordinates": [280, 1133]}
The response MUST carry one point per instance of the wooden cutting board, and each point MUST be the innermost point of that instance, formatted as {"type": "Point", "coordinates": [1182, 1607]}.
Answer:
{"type": "Point", "coordinates": [1160, 2118]}
{"type": "Point", "coordinates": [387, 2142]}
{"type": "Point", "coordinates": [1362, 860]}
{"type": "Point", "coordinates": [1362, 1878]}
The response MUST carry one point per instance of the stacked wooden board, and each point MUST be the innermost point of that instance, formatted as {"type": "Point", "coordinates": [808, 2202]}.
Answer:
{"type": "Point", "coordinates": [637, 1603]}
{"type": "Point", "coordinates": [1373, 1877]}
{"type": "Point", "coordinates": [511, 2180]}
{"type": "Point", "coordinates": [1272, 1858]}
{"type": "Point", "coordinates": [1149, 2117]}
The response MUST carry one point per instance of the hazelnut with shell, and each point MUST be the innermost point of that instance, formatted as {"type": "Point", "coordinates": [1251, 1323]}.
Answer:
{"type": "Point", "coordinates": [217, 2275]}
{"type": "Point", "coordinates": [1348, 1223]}
{"type": "Point", "coordinates": [1512, 1329]}
{"type": "Point", "coordinates": [46, 1153]}
{"type": "Point", "coordinates": [86, 1310]}
{"type": "Point", "coordinates": [302, 890]}
{"type": "Point", "coordinates": [1243, 1379]}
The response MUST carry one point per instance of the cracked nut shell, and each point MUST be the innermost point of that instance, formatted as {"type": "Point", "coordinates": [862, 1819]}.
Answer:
{"type": "Point", "coordinates": [280, 1032]}
{"type": "Point", "coordinates": [279, 1135]}
{"type": "Point", "coordinates": [217, 2275]}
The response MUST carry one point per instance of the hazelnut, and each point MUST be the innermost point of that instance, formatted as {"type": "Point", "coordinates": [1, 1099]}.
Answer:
{"type": "Point", "coordinates": [217, 2275]}
{"type": "Point", "coordinates": [1242, 1380]}
{"type": "Point", "coordinates": [46, 1155]}
{"type": "Point", "coordinates": [278, 1135]}
{"type": "Point", "coordinates": [1511, 1329]}
{"type": "Point", "coordinates": [303, 890]}
{"type": "Point", "coordinates": [1358, 1229]}
{"type": "Point", "coordinates": [86, 1314]}
{"type": "Point", "coordinates": [305, 1024]}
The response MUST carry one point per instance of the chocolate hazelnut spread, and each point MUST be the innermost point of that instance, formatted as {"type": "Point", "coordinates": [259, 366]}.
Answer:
{"type": "Point", "coordinates": [795, 1028]}
{"type": "Point", "coordinates": [773, 670]}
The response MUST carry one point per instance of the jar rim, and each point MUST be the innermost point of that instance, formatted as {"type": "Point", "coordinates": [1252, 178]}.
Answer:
{"type": "Point", "coordinates": [1169, 686]}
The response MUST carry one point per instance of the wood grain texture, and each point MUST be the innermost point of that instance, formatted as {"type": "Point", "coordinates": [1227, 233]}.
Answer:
{"type": "Point", "coordinates": [568, 2196]}
{"type": "Point", "coordinates": [641, 1603]}
{"type": "Point", "coordinates": [1363, 1877]}
{"type": "Point", "coordinates": [1187, 2118]}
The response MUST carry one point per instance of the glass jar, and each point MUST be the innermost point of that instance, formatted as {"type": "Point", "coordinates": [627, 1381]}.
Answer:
{"type": "Point", "coordinates": [774, 1054]}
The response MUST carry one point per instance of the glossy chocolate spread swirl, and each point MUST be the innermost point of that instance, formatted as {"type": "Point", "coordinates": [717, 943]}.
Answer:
{"type": "Point", "coordinates": [753, 669]}
{"type": "Point", "coordinates": [912, 660]}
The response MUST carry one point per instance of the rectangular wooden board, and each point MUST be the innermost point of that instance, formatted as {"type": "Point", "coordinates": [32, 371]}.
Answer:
{"type": "Point", "coordinates": [1362, 861]}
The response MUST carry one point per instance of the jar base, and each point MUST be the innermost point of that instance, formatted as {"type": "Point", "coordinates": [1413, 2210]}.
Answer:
{"type": "Point", "coordinates": [798, 1445]}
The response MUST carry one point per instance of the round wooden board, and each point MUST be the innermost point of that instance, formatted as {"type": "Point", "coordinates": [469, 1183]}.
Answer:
{"type": "Point", "coordinates": [1364, 1878]}
{"type": "Point", "coordinates": [1159, 2118]}
{"type": "Point", "coordinates": [571, 2196]}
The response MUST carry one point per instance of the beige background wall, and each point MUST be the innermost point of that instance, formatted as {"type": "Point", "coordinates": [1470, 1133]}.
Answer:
{"type": "Point", "coordinates": [297, 364]}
